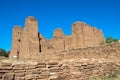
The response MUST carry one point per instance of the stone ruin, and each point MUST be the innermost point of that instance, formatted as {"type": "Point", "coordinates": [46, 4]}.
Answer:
{"type": "Point", "coordinates": [28, 42]}
{"type": "Point", "coordinates": [80, 56]}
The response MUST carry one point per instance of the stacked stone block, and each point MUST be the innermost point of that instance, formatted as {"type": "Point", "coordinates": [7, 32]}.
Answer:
{"type": "Point", "coordinates": [69, 70]}
{"type": "Point", "coordinates": [29, 42]}
{"type": "Point", "coordinates": [16, 41]}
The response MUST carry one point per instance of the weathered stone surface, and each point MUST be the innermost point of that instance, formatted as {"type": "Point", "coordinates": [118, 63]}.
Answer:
{"type": "Point", "coordinates": [30, 67]}
{"type": "Point", "coordinates": [85, 36]}
{"type": "Point", "coordinates": [5, 64]}
{"type": "Point", "coordinates": [28, 77]}
{"type": "Point", "coordinates": [58, 33]}
{"type": "Point", "coordinates": [8, 76]}
{"type": "Point", "coordinates": [40, 66]}
{"type": "Point", "coordinates": [45, 73]}
{"type": "Point", "coordinates": [55, 69]}
{"type": "Point", "coordinates": [41, 63]}
{"type": "Point", "coordinates": [52, 63]}
{"type": "Point", "coordinates": [1, 75]}
{"type": "Point", "coordinates": [16, 42]}
{"type": "Point", "coordinates": [28, 43]}
{"type": "Point", "coordinates": [6, 68]}
{"type": "Point", "coordinates": [19, 67]}
{"type": "Point", "coordinates": [19, 74]}
{"type": "Point", "coordinates": [35, 76]}
{"type": "Point", "coordinates": [36, 72]}
{"type": "Point", "coordinates": [69, 70]}
{"type": "Point", "coordinates": [19, 71]}
{"type": "Point", "coordinates": [79, 53]}
{"type": "Point", "coordinates": [19, 78]}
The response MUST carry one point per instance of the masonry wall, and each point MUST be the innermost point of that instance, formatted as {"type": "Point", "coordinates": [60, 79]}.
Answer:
{"type": "Point", "coordinates": [30, 39]}
{"type": "Point", "coordinates": [28, 43]}
{"type": "Point", "coordinates": [16, 41]}
{"type": "Point", "coordinates": [111, 52]}
{"type": "Point", "coordinates": [85, 36]}
{"type": "Point", "coordinates": [25, 43]}
{"type": "Point", "coordinates": [77, 70]}
{"type": "Point", "coordinates": [57, 42]}
{"type": "Point", "coordinates": [60, 41]}
{"type": "Point", "coordinates": [82, 36]}
{"type": "Point", "coordinates": [44, 44]}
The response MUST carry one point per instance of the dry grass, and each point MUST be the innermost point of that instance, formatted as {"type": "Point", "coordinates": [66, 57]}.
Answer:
{"type": "Point", "coordinates": [114, 75]}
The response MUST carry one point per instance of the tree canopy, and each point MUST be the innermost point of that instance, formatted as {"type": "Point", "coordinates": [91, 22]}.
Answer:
{"type": "Point", "coordinates": [3, 52]}
{"type": "Point", "coordinates": [110, 40]}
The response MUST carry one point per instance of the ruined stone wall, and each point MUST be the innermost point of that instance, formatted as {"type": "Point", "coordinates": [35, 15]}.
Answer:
{"type": "Point", "coordinates": [60, 41]}
{"type": "Point", "coordinates": [85, 36]}
{"type": "Point", "coordinates": [26, 41]}
{"type": "Point", "coordinates": [30, 39]}
{"type": "Point", "coordinates": [82, 36]}
{"type": "Point", "coordinates": [57, 42]}
{"type": "Point", "coordinates": [99, 39]}
{"type": "Point", "coordinates": [68, 42]}
{"type": "Point", "coordinates": [44, 44]}
{"type": "Point", "coordinates": [77, 35]}
{"type": "Point", "coordinates": [16, 41]}
{"type": "Point", "coordinates": [71, 70]}
{"type": "Point", "coordinates": [111, 52]}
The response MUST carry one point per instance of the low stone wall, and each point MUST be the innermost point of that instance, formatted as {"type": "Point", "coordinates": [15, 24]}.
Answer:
{"type": "Point", "coordinates": [111, 52]}
{"type": "Point", "coordinates": [72, 70]}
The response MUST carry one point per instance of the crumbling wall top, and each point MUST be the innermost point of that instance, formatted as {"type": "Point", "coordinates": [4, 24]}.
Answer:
{"type": "Point", "coordinates": [17, 28]}
{"type": "Point", "coordinates": [31, 21]}
{"type": "Point", "coordinates": [79, 23]}
{"type": "Point", "coordinates": [58, 33]}
{"type": "Point", "coordinates": [31, 18]}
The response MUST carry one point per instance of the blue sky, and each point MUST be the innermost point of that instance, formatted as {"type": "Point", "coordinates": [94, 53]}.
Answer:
{"type": "Point", "coordinates": [52, 14]}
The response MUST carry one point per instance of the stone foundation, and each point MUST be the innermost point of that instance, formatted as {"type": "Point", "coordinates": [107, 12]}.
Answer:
{"type": "Point", "coordinates": [70, 70]}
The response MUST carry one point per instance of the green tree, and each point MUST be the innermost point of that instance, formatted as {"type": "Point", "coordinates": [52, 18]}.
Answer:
{"type": "Point", "coordinates": [8, 52]}
{"type": "Point", "coordinates": [110, 40]}
{"type": "Point", "coordinates": [3, 52]}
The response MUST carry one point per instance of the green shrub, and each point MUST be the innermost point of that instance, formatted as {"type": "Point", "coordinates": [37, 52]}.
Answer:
{"type": "Point", "coordinates": [4, 52]}
{"type": "Point", "coordinates": [110, 40]}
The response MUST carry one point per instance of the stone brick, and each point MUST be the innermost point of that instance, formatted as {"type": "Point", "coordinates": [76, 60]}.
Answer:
{"type": "Point", "coordinates": [19, 67]}
{"type": "Point", "coordinates": [28, 43]}
{"type": "Point", "coordinates": [40, 66]}
{"type": "Point", "coordinates": [6, 64]}
{"type": "Point", "coordinates": [19, 71]}
{"type": "Point", "coordinates": [6, 71]}
{"type": "Point", "coordinates": [28, 77]}
{"type": "Point", "coordinates": [8, 76]}
{"type": "Point", "coordinates": [30, 67]}
{"type": "Point", "coordinates": [19, 74]}
{"type": "Point", "coordinates": [41, 63]}
{"type": "Point", "coordinates": [35, 76]}
{"type": "Point", "coordinates": [55, 69]}
{"type": "Point", "coordinates": [52, 63]}
{"type": "Point", "coordinates": [36, 71]}
{"type": "Point", "coordinates": [19, 78]}
{"type": "Point", "coordinates": [70, 70]}
{"type": "Point", "coordinates": [6, 68]}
